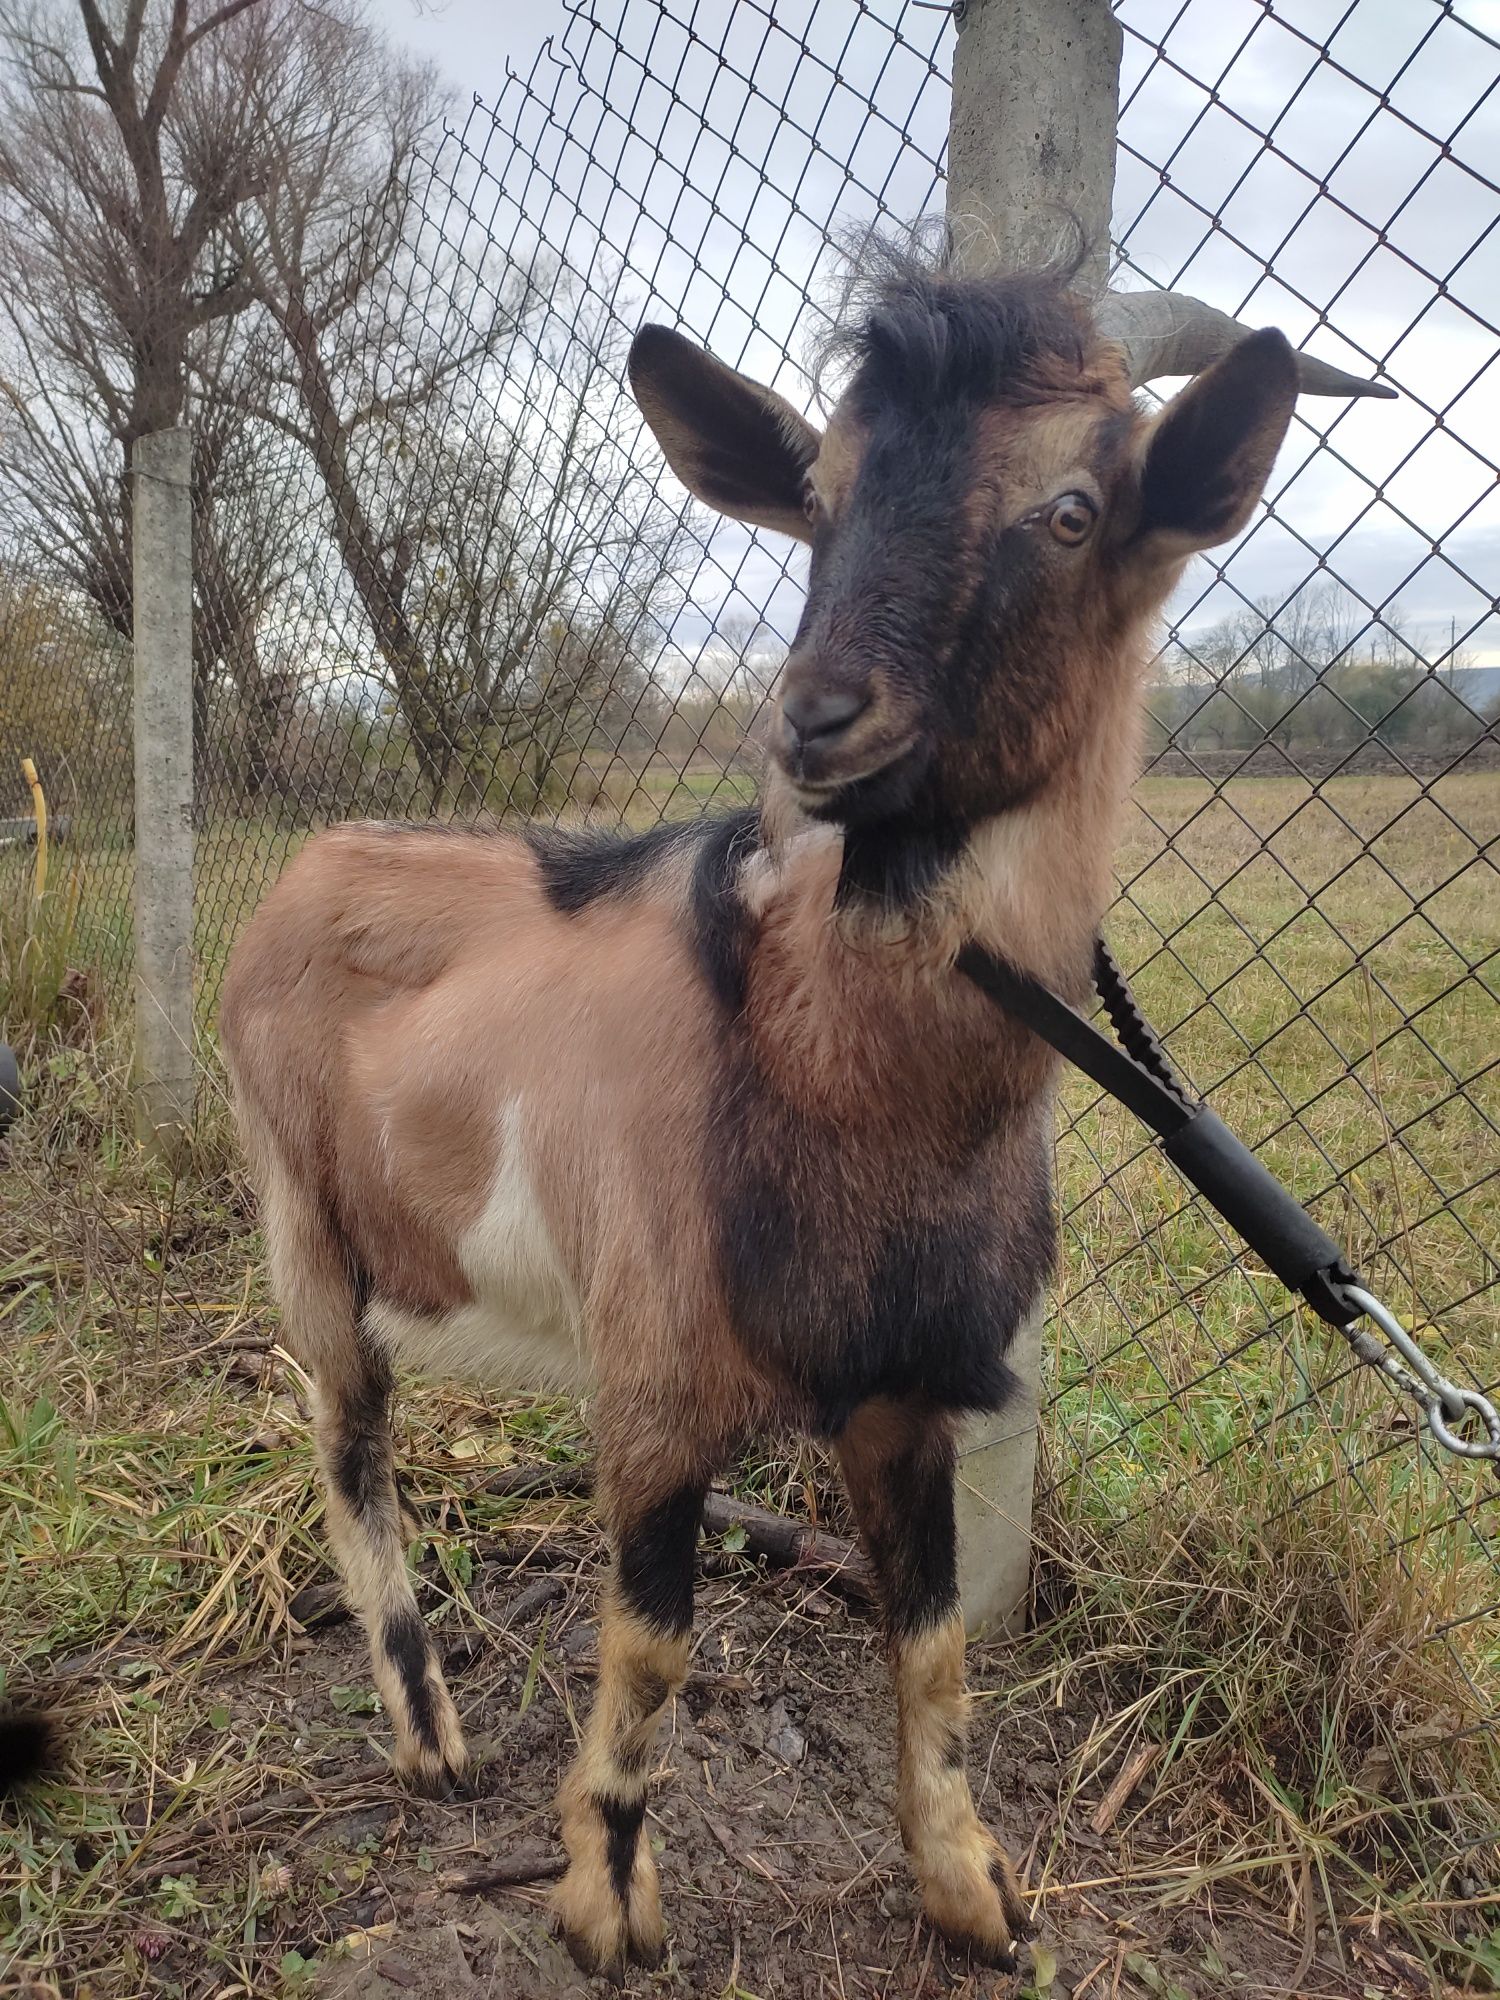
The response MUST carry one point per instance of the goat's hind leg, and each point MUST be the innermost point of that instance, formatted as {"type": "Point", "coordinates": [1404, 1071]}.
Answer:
{"type": "Point", "coordinates": [369, 1529]}
{"type": "Point", "coordinates": [898, 1464]}
{"type": "Point", "coordinates": [609, 1902]}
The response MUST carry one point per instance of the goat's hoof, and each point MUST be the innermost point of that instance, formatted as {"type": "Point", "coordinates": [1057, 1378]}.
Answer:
{"type": "Point", "coordinates": [977, 1905]}
{"type": "Point", "coordinates": [616, 1963]}
{"type": "Point", "coordinates": [984, 1951]}
{"type": "Point", "coordinates": [431, 1775]}
{"type": "Point", "coordinates": [974, 1923]}
{"type": "Point", "coordinates": [986, 1943]}
{"type": "Point", "coordinates": [1018, 1914]}
{"type": "Point", "coordinates": [603, 1933]}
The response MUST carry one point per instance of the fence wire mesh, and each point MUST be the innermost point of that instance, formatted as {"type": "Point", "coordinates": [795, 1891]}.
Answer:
{"type": "Point", "coordinates": [1307, 894]}
{"type": "Point", "coordinates": [65, 702]}
{"type": "Point", "coordinates": [439, 571]}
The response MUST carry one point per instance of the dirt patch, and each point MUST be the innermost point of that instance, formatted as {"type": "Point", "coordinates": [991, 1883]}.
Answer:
{"type": "Point", "coordinates": [781, 1870]}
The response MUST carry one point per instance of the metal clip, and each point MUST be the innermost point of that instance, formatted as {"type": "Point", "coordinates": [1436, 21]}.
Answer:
{"type": "Point", "coordinates": [1444, 1402]}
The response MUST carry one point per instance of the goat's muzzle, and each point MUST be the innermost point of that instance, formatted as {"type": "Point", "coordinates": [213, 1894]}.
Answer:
{"type": "Point", "coordinates": [833, 731]}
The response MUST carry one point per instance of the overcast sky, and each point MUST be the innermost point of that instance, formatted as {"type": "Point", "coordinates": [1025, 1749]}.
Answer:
{"type": "Point", "coordinates": [727, 134]}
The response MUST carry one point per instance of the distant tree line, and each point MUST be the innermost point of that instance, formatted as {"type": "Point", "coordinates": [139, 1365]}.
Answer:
{"type": "Point", "coordinates": [1316, 672]}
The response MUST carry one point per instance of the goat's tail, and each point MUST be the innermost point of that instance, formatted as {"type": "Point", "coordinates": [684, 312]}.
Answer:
{"type": "Point", "coordinates": [29, 1747]}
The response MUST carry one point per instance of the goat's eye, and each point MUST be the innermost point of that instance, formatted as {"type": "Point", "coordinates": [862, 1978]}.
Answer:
{"type": "Point", "coordinates": [809, 502]}
{"type": "Point", "coordinates": [1071, 518]}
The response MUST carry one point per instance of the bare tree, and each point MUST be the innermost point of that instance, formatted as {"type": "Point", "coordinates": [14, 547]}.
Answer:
{"type": "Point", "coordinates": [334, 251]}
{"type": "Point", "coordinates": [176, 186]}
{"type": "Point", "coordinates": [124, 151]}
{"type": "Point", "coordinates": [544, 567]}
{"type": "Point", "coordinates": [220, 213]}
{"type": "Point", "coordinates": [126, 146]}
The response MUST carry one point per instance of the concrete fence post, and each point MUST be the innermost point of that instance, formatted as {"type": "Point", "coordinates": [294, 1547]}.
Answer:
{"type": "Point", "coordinates": [1031, 134]}
{"type": "Point", "coordinates": [1036, 91]}
{"type": "Point", "coordinates": [161, 527]}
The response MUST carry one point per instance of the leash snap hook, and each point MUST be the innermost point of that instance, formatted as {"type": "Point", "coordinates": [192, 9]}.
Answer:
{"type": "Point", "coordinates": [1450, 1409]}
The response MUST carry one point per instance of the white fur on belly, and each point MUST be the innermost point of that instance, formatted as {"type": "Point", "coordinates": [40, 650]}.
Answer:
{"type": "Point", "coordinates": [524, 1329]}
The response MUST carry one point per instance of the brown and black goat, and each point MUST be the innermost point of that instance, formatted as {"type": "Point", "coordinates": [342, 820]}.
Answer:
{"type": "Point", "coordinates": [705, 1119]}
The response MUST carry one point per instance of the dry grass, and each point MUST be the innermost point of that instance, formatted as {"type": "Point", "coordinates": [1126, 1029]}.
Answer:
{"type": "Point", "coordinates": [1246, 1566]}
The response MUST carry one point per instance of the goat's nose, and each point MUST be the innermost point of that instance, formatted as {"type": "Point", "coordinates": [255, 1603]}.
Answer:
{"type": "Point", "coordinates": [818, 715]}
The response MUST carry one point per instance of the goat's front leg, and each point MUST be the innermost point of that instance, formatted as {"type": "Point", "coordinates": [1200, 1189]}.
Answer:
{"type": "Point", "coordinates": [608, 1903]}
{"type": "Point", "coordinates": [898, 1463]}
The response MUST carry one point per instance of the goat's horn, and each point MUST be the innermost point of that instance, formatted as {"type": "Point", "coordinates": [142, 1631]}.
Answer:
{"type": "Point", "coordinates": [1168, 333]}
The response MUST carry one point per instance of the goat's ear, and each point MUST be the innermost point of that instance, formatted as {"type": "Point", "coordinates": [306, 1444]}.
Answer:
{"type": "Point", "coordinates": [1210, 452]}
{"type": "Point", "coordinates": [741, 449]}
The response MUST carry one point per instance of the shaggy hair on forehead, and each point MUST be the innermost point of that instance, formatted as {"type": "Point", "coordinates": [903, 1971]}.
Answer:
{"type": "Point", "coordinates": [910, 323]}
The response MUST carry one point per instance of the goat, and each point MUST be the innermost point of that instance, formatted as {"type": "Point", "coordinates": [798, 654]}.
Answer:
{"type": "Point", "coordinates": [705, 1118]}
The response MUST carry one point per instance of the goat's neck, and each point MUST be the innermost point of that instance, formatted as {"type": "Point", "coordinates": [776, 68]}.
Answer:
{"type": "Point", "coordinates": [1035, 881]}
{"type": "Point", "coordinates": [846, 993]}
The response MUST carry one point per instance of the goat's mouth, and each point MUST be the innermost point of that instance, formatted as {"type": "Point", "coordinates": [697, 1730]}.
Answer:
{"type": "Point", "coordinates": [877, 787]}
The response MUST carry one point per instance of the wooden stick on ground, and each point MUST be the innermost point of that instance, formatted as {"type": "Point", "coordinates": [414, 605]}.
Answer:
{"type": "Point", "coordinates": [532, 1482]}
{"type": "Point", "coordinates": [792, 1544]}
{"type": "Point", "coordinates": [1129, 1775]}
{"type": "Point", "coordinates": [513, 1872]}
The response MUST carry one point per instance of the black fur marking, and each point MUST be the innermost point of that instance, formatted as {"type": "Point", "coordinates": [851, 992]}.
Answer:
{"type": "Point", "coordinates": [633, 1758]}
{"type": "Point", "coordinates": [933, 1316]}
{"type": "Point", "coordinates": [955, 1751]}
{"type": "Point", "coordinates": [961, 627]}
{"type": "Point", "coordinates": [360, 1462]}
{"type": "Point", "coordinates": [578, 868]}
{"type": "Point", "coordinates": [896, 866]}
{"type": "Point", "coordinates": [721, 923]}
{"type": "Point", "coordinates": [360, 1284]}
{"type": "Point", "coordinates": [655, 1565]}
{"type": "Point", "coordinates": [404, 1638]}
{"type": "Point", "coordinates": [622, 1821]}
{"type": "Point", "coordinates": [914, 1543]}
{"type": "Point", "coordinates": [651, 1691]}
{"type": "Point", "coordinates": [897, 594]}
{"type": "Point", "coordinates": [649, 1694]}
{"type": "Point", "coordinates": [927, 333]}
{"type": "Point", "coordinates": [29, 1748]}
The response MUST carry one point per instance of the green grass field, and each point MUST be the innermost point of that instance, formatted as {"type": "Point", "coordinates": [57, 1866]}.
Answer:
{"type": "Point", "coordinates": [1244, 1563]}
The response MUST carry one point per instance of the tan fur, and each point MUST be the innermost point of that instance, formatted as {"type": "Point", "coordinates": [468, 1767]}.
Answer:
{"type": "Point", "coordinates": [396, 990]}
{"type": "Point", "coordinates": [639, 1672]}
{"type": "Point", "coordinates": [836, 466]}
{"type": "Point", "coordinates": [1037, 878]}
{"type": "Point", "coordinates": [968, 1882]}
{"type": "Point", "coordinates": [1021, 466]}
{"type": "Point", "coordinates": [604, 1934]}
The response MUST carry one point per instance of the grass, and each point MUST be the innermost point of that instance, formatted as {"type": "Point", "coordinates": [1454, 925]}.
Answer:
{"type": "Point", "coordinates": [1247, 1567]}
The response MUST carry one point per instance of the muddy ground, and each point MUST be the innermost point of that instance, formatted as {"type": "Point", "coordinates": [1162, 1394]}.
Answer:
{"type": "Point", "coordinates": [782, 1874]}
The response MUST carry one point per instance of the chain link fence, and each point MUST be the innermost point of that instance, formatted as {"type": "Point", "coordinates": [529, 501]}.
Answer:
{"type": "Point", "coordinates": [439, 571]}
{"type": "Point", "coordinates": [65, 702]}
{"type": "Point", "coordinates": [1307, 895]}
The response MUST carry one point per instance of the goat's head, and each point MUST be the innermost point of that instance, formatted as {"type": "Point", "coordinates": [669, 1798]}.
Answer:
{"type": "Point", "coordinates": [993, 521]}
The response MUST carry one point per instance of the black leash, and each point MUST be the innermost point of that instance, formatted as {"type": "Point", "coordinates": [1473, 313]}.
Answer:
{"type": "Point", "coordinates": [1137, 1070]}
